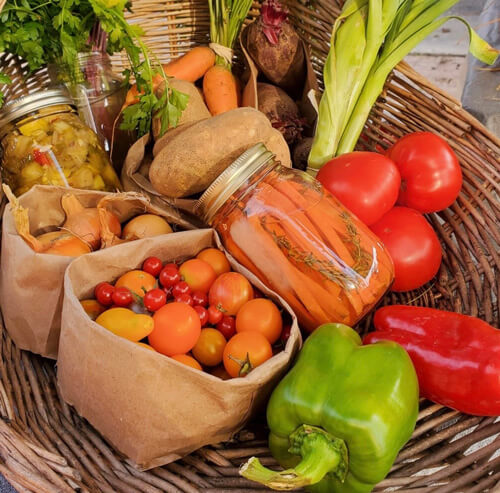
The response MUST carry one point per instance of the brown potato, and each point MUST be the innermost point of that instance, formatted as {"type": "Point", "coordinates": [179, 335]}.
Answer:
{"type": "Point", "coordinates": [191, 160]}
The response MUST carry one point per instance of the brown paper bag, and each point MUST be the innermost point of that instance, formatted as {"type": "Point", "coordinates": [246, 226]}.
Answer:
{"type": "Point", "coordinates": [31, 283]}
{"type": "Point", "coordinates": [150, 407]}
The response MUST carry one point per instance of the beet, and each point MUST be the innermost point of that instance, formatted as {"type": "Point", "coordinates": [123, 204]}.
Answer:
{"type": "Point", "coordinates": [276, 48]}
{"type": "Point", "coordinates": [301, 152]}
{"type": "Point", "coordinates": [281, 111]}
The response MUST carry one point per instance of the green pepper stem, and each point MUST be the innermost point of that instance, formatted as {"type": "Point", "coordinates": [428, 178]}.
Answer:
{"type": "Point", "coordinates": [321, 454]}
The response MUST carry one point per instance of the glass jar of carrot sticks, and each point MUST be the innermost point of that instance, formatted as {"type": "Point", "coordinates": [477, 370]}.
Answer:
{"type": "Point", "coordinates": [282, 225]}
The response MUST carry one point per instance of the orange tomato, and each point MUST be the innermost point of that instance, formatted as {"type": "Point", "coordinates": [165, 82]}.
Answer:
{"type": "Point", "coordinates": [138, 281]}
{"type": "Point", "coordinates": [220, 372]}
{"type": "Point", "coordinates": [244, 352]}
{"type": "Point", "coordinates": [177, 328]}
{"type": "Point", "coordinates": [198, 274]}
{"type": "Point", "coordinates": [147, 346]}
{"type": "Point", "coordinates": [230, 292]}
{"type": "Point", "coordinates": [216, 259]}
{"type": "Point", "coordinates": [209, 348]}
{"type": "Point", "coordinates": [92, 308]}
{"type": "Point", "coordinates": [260, 315]}
{"type": "Point", "coordinates": [187, 360]}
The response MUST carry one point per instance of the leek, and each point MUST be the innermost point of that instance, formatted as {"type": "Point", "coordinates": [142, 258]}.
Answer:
{"type": "Point", "coordinates": [368, 40]}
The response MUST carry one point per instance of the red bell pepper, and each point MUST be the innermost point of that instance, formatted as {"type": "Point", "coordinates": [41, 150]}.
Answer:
{"type": "Point", "coordinates": [457, 357]}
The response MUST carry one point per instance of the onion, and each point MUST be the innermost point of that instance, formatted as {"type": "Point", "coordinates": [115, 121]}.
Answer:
{"type": "Point", "coordinates": [145, 226]}
{"type": "Point", "coordinates": [85, 223]}
{"type": "Point", "coordinates": [62, 243]}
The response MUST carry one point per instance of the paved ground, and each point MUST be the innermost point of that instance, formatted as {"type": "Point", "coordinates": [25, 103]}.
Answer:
{"type": "Point", "coordinates": [442, 58]}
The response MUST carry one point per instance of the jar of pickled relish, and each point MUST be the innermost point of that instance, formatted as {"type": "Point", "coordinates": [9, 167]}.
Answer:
{"type": "Point", "coordinates": [44, 142]}
{"type": "Point", "coordinates": [298, 239]}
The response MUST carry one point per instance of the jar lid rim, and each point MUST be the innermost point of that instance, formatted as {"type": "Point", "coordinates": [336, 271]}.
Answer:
{"type": "Point", "coordinates": [230, 180]}
{"type": "Point", "coordinates": [26, 104]}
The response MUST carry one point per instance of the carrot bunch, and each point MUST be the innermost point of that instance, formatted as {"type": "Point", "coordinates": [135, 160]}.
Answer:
{"type": "Point", "coordinates": [307, 247]}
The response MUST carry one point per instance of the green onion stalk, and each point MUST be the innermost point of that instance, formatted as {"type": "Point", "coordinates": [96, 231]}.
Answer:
{"type": "Point", "coordinates": [369, 38]}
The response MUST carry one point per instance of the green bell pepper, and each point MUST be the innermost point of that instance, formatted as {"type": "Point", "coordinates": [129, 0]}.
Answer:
{"type": "Point", "coordinates": [340, 416]}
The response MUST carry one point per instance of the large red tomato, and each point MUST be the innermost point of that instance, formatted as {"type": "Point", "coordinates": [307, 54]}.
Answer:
{"type": "Point", "coordinates": [431, 177]}
{"type": "Point", "coordinates": [413, 246]}
{"type": "Point", "coordinates": [366, 183]}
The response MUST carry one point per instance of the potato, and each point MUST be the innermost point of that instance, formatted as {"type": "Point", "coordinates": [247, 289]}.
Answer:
{"type": "Point", "coordinates": [191, 160]}
{"type": "Point", "coordinates": [195, 109]}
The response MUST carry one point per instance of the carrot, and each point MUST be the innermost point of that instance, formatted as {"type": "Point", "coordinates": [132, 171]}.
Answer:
{"type": "Point", "coordinates": [191, 66]}
{"type": "Point", "coordinates": [220, 90]}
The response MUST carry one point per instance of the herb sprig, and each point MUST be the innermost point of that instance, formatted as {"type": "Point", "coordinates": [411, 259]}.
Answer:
{"type": "Point", "coordinates": [42, 31]}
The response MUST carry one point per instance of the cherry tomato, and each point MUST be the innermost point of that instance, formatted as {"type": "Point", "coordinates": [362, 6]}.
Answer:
{"type": "Point", "coordinates": [413, 246]}
{"type": "Point", "coordinates": [220, 372]}
{"type": "Point", "coordinates": [202, 313]}
{"type": "Point", "coordinates": [244, 352]}
{"type": "Point", "coordinates": [198, 274]}
{"type": "Point", "coordinates": [209, 348]}
{"type": "Point", "coordinates": [430, 172]}
{"type": "Point", "coordinates": [216, 259]}
{"type": "Point", "coordinates": [138, 281]}
{"type": "Point", "coordinates": [185, 298]}
{"type": "Point", "coordinates": [93, 308]}
{"type": "Point", "coordinates": [122, 297]}
{"type": "Point", "coordinates": [187, 360]}
{"type": "Point", "coordinates": [200, 298]}
{"type": "Point", "coordinates": [155, 299]}
{"type": "Point", "coordinates": [285, 333]}
{"type": "Point", "coordinates": [230, 292]}
{"type": "Point", "coordinates": [182, 287]}
{"type": "Point", "coordinates": [169, 276]}
{"type": "Point", "coordinates": [261, 315]}
{"type": "Point", "coordinates": [104, 293]}
{"type": "Point", "coordinates": [214, 315]}
{"type": "Point", "coordinates": [367, 183]}
{"type": "Point", "coordinates": [227, 327]}
{"type": "Point", "coordinates": [176, 330]}
{"type": "Point", "coordinates": [153, 266]}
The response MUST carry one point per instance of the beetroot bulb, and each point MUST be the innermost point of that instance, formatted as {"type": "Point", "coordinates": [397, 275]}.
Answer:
{"type": "Point", "coordinates": [276, 48]}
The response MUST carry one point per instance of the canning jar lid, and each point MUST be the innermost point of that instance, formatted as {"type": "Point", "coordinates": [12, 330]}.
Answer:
{"type": "Point", "coordinates": [33, 102]}
{"type": "Point", "coordinates": [230, 180]}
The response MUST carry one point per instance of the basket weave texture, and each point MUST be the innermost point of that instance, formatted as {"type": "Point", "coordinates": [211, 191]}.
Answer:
{"type": "Point", "coordinates": [46, 447]}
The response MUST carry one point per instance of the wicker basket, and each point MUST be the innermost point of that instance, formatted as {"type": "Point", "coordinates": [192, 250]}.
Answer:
{"type": "Point", "coordinates": [46, 447]}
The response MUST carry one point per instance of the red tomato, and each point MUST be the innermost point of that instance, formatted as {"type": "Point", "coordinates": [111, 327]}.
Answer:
{"type": "Point", "coordinates": [200, 298]}
{"type": "Point", "coordinates": [181, 287]}
{"type": "Point", "coordinates": [366, 183]}
{"type": "Point", "coordinates": [155, 299]}
{"type": "Point", "coordinates": [153, 266]}
{"type": "Point", "coordinates": [185, 298]}
{"type": "Point", "coordinates": [199, 274]}
{"type": "Point", "coordinates": [176, 330]}
{"type": "Point", "coordinates": [214, 315]}
{"type": "Point", "coordinates": [104, 293]}
{"type": "Point", "coordinates": [122, 297]}
{"type": "Point", "coordinates": [169, 276]}
{"type": "Point", "coordinates": [209, 348]}
{"type": "Point", "coordinates": [260, 315]}
{"type": "Point", "coordinates": [227, 327]}
{"type": "Point", "coordinates": [413, 246]}
{"type": "Point", "coordinates": [202, 313]}
{"type": "Point", "coordinates": [431, 177]}
{"type": "Point", "coordinates": [230, 292]}
{"type": "Point", "coordinates": [244, 352]}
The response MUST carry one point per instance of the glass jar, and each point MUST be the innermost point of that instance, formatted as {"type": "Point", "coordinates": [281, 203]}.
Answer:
{"type": "Point", "coordinates": [298, 239]}
{"type": "Point", "coordinates": [43, 141]}
{"type": "Point", "coordinates": [99, 94]}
